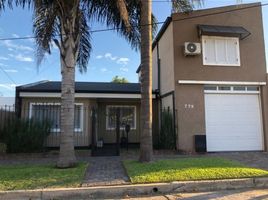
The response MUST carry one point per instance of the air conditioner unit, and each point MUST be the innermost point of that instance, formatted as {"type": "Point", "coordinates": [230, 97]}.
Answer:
{"type": "Point", "coordinates": [191, 48]}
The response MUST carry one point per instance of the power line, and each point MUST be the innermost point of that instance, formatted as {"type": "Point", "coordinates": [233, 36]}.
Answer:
{"type": "Point", "coordinates": [157, 23]}
{"type": "Point", "coordinates": [9, 77]}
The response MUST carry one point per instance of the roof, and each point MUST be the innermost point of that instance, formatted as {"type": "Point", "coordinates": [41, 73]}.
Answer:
{"type": "Point", "coordinates": [83, 87]}
{"type": "Point", "coordinates": [228, 31]}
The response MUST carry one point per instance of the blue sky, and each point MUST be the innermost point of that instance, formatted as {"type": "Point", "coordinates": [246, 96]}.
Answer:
{"type": "Point", "coordinates": [111, 54]}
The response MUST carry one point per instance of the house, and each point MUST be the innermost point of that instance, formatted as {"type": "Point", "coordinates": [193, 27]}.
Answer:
{"type": "Point", "coordinates": [208, 69]}
{"type": "Point", "coordinates": [41, 100]}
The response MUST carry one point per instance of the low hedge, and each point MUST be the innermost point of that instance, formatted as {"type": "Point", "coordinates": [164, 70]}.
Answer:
{"type": "Point", "coordinates": [24, 135]}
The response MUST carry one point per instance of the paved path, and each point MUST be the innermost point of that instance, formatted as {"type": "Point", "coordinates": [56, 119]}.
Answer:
{"type": "Point", "coordinates": [219, 195]}
{"type": "Point", "coordinates": [105, 171]}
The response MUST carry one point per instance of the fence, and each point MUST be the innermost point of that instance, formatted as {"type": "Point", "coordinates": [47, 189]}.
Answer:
{"type": "Point", "coordinates": [51, 113]}
{"type": "Point", "coordinates": [6, 113]}
{"type": "Point", "coordinates": [90, 124]}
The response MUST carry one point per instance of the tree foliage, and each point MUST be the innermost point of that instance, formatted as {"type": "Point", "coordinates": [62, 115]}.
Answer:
{"type": "Point", "coordinates": [117, 79]}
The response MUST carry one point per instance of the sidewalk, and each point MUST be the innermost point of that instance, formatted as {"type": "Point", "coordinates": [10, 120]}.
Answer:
{"type": "Point", "coordinates": [122, 191]}
{"type": "Point", "coordinates": [105, 171]}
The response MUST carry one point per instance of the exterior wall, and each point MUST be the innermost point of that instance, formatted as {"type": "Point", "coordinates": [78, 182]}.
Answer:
{"type": "Point", "coordinates": [264, 104]}
{"type": "Point", "coordinates": [166, 55]}
{"type": "Point", "coordinates": [191, 121]}
{"type": "Point", "coordinates": [191, 115]}
{"type": "Point", "coordinates": [155, 69]}
{"type": "Point", "coordinates": [252, 51]}
{"type": "Point", "coordinates": [81, 139]}
{"type": "Point", "coordinates": [167, 102]}
{"type": "Point", "coordinates": [109, 136]}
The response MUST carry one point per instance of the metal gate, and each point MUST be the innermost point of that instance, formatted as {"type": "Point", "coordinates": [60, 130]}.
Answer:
{"type": "Point", "coordinates": [98, 147]}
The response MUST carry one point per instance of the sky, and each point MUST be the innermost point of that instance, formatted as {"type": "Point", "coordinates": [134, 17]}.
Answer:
{"type": "Point", "coordinates": [111, 54]}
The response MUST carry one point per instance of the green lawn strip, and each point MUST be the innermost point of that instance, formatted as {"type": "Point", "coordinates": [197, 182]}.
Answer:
{"type": "Point", "coordinates": [17, 177]}
{"type": "Point", "coordinates": [187, 169]}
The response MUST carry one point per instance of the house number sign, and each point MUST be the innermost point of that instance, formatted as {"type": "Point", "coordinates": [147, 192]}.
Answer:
{"type": "Point", "coordinates": [188, 106]}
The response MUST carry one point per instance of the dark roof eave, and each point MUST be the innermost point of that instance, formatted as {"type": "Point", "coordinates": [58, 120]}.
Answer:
{"type": "Point", "coordinates": [139, 69]}
{"type": "Point", "coordinates": [97, 92]}
{"type": "Point", "coordinates": [219, 30]}
{"type": "Point", "coordinates": [158, 36]}
{"type": "Point", "coordinates": [122, 93]}
{"type": "Point", "coordinates": [162, 31]}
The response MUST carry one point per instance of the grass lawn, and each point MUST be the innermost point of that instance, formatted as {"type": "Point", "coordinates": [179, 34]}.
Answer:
{"type": "Point", "coordinates": [186, 169]}
{"type": "Point", "coordinates": [17, 177]}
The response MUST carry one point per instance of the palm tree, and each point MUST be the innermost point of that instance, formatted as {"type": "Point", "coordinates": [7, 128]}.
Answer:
{"type": "Point", "coordinates": [66, 23]}
{"type": "Point", "coordinates": [146, 149]}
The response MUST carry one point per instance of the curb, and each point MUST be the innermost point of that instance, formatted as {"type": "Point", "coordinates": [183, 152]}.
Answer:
{"type": "Point", "coordinates": [135, 190]}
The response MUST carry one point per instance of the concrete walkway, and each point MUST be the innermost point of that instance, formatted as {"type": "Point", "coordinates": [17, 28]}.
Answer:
{"type": "Point", "coordinates": [248, 194]}
{"type": "Point", "coordinates": [105, 171]}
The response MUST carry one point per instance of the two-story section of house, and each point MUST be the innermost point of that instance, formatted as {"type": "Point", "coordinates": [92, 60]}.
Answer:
{"type": "Point", "coordinates": [209, 67]}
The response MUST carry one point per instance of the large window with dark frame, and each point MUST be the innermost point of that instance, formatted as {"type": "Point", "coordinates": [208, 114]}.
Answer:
{"type": "Point", "coordinates": [51, 112]}
{"type": "Point", "coordinates": [127, 116]}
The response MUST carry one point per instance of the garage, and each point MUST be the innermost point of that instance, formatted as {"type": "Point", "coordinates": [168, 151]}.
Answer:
{"type": "Point", "coordinates": [233, 118]}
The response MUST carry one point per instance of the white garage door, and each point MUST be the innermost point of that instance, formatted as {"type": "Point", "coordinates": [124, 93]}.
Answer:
{"type": "Point", "coordinates": [233, 122]}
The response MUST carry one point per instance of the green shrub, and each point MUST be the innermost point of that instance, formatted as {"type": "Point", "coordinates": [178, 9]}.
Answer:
{"type": "Point", "coordinates": [167, 132]}
{"type": "Point", "coordinates": [24, 136]}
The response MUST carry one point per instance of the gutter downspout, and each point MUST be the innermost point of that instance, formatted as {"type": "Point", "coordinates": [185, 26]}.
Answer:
{"type": "Point", "coordinates": [159, 89]}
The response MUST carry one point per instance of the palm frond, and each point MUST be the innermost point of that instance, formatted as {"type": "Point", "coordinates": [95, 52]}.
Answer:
{"type": "Point", "coordinates": [185, 5]}
{"type": "Point", "coordinates": [121, 5]}
{"type": "Point", "coordinates": [107, 12]}
{"type": "Point", "coordinates": [45, 27]}
{"type": "Point", "coordinates": [84, 47]}
{"type": "Point", "coordinates": [5, 3]}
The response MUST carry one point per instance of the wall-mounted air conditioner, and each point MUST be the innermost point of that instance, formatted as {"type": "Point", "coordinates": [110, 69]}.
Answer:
{"type": "Point", "coordinates": [192, 48]}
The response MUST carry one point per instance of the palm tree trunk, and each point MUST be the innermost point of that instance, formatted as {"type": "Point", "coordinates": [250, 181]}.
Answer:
{"type": "Point", "coordinates": [146, 83]}
{"type": "Point", "coordinates": [68, 57]}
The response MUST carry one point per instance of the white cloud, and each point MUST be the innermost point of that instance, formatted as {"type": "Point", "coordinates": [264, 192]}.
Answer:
{"type": "Point", "coordinates": [99, 57]}
{"type": "Point", "coordinates": [103, 70]}
{"type": "Point", "coordinates": [15, 35]}
{"type": "Point", "coordinates": [21, 58]}
{"type": "Point", "coordinates": [8, 86]}
{"type": "Point", "coordinates": [110, 56]}
{"type": "Point", "coordinates": [3, 58]}
{"type": "Point", "coordinates": [12, 46]}
{"type": "Point", "coordinates": [122, 61]}
{"type": "Point", "coordinates": [11, 70]}
{"type": "Point", "coordinates": [124, 69]}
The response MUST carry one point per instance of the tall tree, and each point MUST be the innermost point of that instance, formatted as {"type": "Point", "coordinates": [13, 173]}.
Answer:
{"type": "Point", "coordinates": [146, 147]}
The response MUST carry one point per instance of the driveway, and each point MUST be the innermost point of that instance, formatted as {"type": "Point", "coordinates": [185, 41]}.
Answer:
{"type": "Point", "coordinates": [252, 159]}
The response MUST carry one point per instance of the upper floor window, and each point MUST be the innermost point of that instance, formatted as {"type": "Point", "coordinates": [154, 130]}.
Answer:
{"type": "Point", "coordinates": [222, 51]}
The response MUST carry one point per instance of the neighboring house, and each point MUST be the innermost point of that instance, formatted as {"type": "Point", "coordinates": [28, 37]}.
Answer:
{"type": "Point", "coordinates": [218, 87]}
{"type": "Point", "coordinates": [41, 100]}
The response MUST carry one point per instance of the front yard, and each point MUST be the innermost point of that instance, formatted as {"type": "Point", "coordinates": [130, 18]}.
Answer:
{"type": "Point", "coordinates": [17, 177]}
{"type": "Point", "coordinates": [188, 169]}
